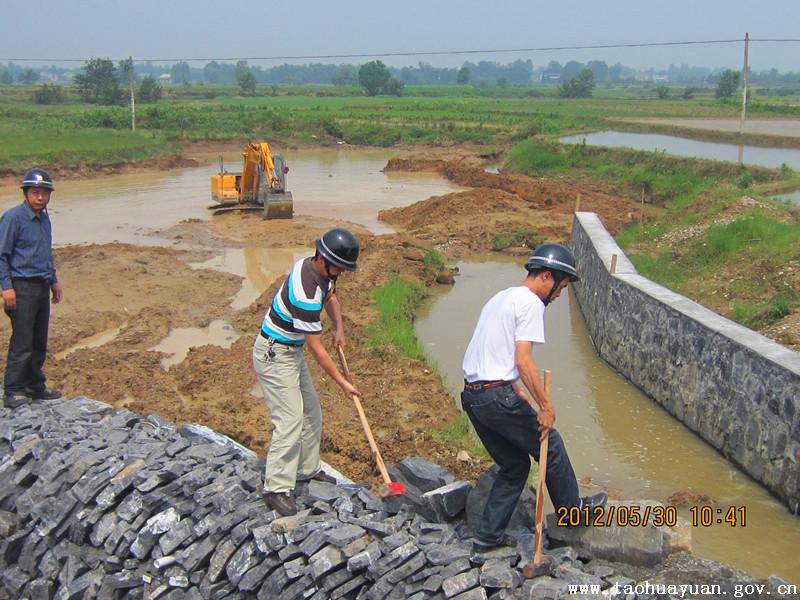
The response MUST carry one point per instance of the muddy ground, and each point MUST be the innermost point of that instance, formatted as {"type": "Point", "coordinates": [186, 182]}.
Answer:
{"type": "Point", "coordinates": [146, 291]}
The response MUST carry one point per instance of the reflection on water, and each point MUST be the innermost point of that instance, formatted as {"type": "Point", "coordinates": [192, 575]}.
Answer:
{"type": "Point", "coordinates": [614, 434]}
{"type": "Point", "coordinates": [652, 142]}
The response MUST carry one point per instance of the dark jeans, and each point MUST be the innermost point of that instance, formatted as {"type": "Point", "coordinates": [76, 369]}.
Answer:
{"type": "Point", "coordinates": [509, 430]}
{"type": "Point", "coordinates": [28, 346]}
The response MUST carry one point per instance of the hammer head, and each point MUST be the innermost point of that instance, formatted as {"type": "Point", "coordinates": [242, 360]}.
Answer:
{"type": "Point", "coordinates": [393, 488]}
{"type": "Point", "coordinates": [538, 569]}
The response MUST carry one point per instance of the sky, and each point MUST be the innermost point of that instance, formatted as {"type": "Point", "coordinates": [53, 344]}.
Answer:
{"type": "Point", "coordinates": [442, 33]}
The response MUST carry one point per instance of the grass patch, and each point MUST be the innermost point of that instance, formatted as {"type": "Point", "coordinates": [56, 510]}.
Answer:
{"type": "Point", "coordinates": [512, 239]}
{"type": "Point", "coordinates": [397, 302]}
{"type": "Point", "coordinates": [434, 262]}
{"type": "Point", "coordinates": [459, 434]}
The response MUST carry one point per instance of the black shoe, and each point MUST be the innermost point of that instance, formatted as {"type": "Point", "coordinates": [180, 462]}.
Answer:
{"type": "Point", "coordinates": [16, 399]}
{"type": "Point", "coordinates": [323, 476]}
{"type": "Point", "coordinates": [281, 502]}
{"type": "Point", "coordinates": [596, 501]}
{"type": "Point", "coordinates": [44, 393]}
{"type": "Point", "coordinates": [507, 541]}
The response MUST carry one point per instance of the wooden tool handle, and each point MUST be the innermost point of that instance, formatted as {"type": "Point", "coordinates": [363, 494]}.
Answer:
{"type": "Point", "coordinates": [364, 423]}
{"type": "Point", "coordinates": [543, 447]}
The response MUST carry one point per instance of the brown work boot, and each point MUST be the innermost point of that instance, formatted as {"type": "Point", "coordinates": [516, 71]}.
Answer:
{"type": "Point", "coordinates": [323, 476]}
{"type": "Point", "coordinates": [281, 502]}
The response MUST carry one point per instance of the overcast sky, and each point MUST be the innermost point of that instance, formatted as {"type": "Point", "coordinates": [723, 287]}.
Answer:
{"type": "Point", "coordinates": [174, 30]}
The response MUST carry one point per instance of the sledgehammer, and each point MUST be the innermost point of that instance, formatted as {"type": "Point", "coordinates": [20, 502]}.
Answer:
{"type": "Point", "coordinates": [539, 567]}
{"type": "Point", "coordinates": [389, 487]}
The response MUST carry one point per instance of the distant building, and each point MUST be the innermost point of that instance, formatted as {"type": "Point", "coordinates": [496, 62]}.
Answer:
{"type": "Point", "coordinates": [165, 78]}
{"type": "Point", "coordinates": [551, 77]}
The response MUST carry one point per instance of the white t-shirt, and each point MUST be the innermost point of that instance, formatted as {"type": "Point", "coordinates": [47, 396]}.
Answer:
{"type": "Point", "coordinates": [513, 315]}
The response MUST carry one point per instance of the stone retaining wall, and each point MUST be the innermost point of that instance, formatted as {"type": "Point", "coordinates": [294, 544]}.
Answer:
{"type": "Point", "coordinates": [735, 388]}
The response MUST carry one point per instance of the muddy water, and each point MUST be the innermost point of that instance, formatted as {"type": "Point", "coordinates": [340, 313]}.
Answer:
{"type": "Point", "coordinates": [615, 435]}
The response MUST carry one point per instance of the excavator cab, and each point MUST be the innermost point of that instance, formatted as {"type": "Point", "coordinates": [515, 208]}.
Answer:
{"type": "Point", "coordinates": [260, 186]}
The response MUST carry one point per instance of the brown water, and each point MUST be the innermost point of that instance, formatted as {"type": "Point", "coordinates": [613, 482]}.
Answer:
{"type": "Point", "coordinates": [614, 434]}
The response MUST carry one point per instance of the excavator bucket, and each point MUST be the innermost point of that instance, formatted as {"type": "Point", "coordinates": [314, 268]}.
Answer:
{"type": "Point", "coordinates": [279, 206]}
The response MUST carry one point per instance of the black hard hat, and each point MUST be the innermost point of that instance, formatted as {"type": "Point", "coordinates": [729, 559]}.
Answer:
{"type": "Point", "coordinates": [555, 257]}
{"type": "Point", "coordinates": [339, 247]}
{"type": "Point", "coordinates": [37, 178]}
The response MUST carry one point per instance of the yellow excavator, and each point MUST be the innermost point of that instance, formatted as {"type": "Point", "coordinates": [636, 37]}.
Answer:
{"type": "Point", "coordinates": [260, 186]}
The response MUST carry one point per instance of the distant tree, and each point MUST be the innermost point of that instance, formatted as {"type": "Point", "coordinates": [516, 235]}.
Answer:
{"type": "Point", "coordinates": [247, 83]}
{"type": "Point", "coordinates": [571, 69]}
{"type": "Point", "coordinates": [728, 84]}
{"type": "Point", "coordinates": [502, 82]}
{"type": "Point", "coordinates": [347, 75]}
{"type": "Point", "coordinates": [662, 91]}
{"type": "Point", "coordinates": [150, 90]}
{"type": "Point", "coordinates": [688, 93]}
{"type": "Point", "coordinates": [215, 72]}
{"type": "Point", "coordinates": [580, 86]}
{"type": "Point", "coordinates": [99, 82]}
{"type": "Point", "coordinates": [28, 76]}
{"type": "Point", "coordinates": [463, 75]}
{"type": "Point", "coordinates": [373, 77]}
{"type": "Point", "coordinates": [6, 78]}
{"type": "Point", "coordinates": [393, 87]}
{"type": "Point", "coordinates": [600, 70]}
{"type": "Point", "coordinates": [240, 69]}
{"type": "Point", "coordinates": [553, 68]}
{"type": "Point", "coordinates": [48, 94]}
{"type": "Point", "coordinates": [181, 72]}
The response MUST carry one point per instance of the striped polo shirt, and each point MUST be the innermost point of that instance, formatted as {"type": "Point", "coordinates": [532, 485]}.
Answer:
{"type": "Point", "coordinates": [296, 308]}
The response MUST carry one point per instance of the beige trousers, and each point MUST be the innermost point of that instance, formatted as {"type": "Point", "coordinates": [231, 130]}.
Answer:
{"type": "Point", "coordinates": [295, 413]}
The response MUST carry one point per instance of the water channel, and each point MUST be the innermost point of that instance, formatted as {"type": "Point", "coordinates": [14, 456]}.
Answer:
{"type": "Point", "coordinates": [615, 435]}
{"type": "Point", "coordinates": [772, 158]}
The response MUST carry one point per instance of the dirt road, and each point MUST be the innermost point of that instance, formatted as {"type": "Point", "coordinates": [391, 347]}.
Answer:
{"type": "Point", "coordinates": [144, 292]}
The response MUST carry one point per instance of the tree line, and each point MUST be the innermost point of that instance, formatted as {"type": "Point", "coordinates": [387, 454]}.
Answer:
{"type": "Point", "coordinates": [101, 81]}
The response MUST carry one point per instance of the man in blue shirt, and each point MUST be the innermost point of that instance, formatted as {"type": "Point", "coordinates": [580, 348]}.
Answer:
{"type": "Point", "coordinates": [28, 279]}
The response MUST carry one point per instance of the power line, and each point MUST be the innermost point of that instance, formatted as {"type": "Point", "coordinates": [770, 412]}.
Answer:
{"type": "Point", "coordinates": [427, 53]}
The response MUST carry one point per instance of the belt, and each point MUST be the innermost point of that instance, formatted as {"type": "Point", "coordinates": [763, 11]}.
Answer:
{"type": "Point", "coordinates": [484, 385]}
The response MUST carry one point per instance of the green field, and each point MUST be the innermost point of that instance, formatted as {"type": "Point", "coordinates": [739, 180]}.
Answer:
{"type": "Point", "coordinates": [520, 124]}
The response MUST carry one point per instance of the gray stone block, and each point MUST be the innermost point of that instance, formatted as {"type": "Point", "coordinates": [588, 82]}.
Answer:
{"type": "Point", "coordinates": [460, 583]}
{"type": "Point", "coordinates": [343, 535]}
{"type": "Point", "coordinates": [424, 474]}
{"type": "Point", "coordinates": [325, 561]}
{"type": "Point", "coordinates": [222, 554]}
{"type": "Point", "coordinates": [498, 574]}
{"type": "Point", "coordinates": [445, 554]}
{"type": "Point", "coordinates": [365, 559]}
{"type": "Point", "coordinates": [245, 558]}
{"type": "Point", "coordinates": [448, 501]}
{"type": "Point", "coordinates": [253, 578]}
{"type": "Point", "coordinates": [524, 515]}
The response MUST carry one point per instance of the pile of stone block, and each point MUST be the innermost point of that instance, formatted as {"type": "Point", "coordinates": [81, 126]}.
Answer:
{"type": "Point", "coordinates": [97, 502]}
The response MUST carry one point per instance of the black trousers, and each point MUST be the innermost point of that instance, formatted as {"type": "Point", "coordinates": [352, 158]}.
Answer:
{"type": "Point", "coordinates": [28, 346]}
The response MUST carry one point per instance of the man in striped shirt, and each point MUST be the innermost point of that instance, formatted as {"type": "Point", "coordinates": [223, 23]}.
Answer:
{"type": "Point", "coordinates": [293, 321]}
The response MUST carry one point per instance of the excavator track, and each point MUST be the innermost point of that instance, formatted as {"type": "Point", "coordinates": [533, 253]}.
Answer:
{"type": "Point", "coordinates": [220, 209]}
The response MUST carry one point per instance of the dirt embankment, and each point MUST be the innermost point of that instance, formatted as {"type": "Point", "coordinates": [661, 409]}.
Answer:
{"type": "Point", "coordinates": [466, 222]}
{"type": "Point", "coordinates": [138, 294]}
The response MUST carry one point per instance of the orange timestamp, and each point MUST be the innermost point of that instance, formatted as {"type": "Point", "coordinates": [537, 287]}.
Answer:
{"type": "Point", "coordinates": [707, 516]}
{"type": "Point", "coordinates": [617, 516]}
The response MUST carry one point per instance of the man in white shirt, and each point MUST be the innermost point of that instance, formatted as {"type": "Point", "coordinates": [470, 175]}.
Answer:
{"type": "Point", "coordinates": [499, 355]}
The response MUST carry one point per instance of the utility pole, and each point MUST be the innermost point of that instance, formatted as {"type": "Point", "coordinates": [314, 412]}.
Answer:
{"type": "Point", "coordinates": [744, 91]}
{"type": "Point", "coordinates": [133, 105]}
